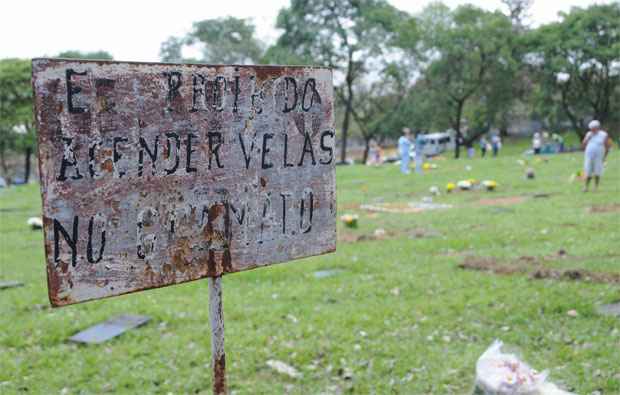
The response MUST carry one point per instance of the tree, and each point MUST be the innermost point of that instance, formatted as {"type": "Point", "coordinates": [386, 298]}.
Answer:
{"type": "Point", "coordinates": [347, 35]}
{"type": "Point", "coordinates": [377, 106]}
{"type": "Point", "coordinates": [518, 12]}
{"type": "Point", "coordinates": [17, 131]}
{"type": "Point", "coordinates": [577, 61]}
{"type": "Point", "coordinates": [96, 55]}
{"type": "Point", "coordinates": [226, 40]}
{"type": "Point", "coordinates": [470, 59]}
{"type": "Point", "coordinates": [512, 92]}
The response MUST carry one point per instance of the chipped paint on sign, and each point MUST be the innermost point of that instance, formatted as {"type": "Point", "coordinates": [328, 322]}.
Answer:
{"type": "Point", "coordinates": [157, 174]}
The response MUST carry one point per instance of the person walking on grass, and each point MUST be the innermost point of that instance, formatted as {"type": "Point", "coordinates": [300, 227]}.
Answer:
{"type": "Point", "coordinates": [404, 145]}
{"type": "Point", "coordinates": [496, 144]}
{"type": "Point", "coordinates": [596, 145]}
{"type": "Point", "coordinates": [419, 152]}
{"type": "Point", "coordinates": [483, 146]}
{"type": "Point", "coordinates": [537, 143]}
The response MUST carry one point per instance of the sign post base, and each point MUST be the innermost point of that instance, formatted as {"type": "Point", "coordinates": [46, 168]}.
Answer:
{"type": "Point", "coordinates": [216, 317]}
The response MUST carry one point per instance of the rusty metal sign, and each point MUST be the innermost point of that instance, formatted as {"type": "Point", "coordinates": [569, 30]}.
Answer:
{"type": "Point", "coordinates": [157, 174]}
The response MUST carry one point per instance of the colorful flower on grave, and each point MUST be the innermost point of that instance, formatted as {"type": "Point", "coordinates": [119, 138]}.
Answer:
{"type": "Point", "coordinates": [350, 220]}
{"type": "Point", "coordinates": [490, 185]}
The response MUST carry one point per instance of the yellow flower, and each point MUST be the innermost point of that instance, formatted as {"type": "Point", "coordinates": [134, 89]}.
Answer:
{"type": "Point", "coordinates": [450, 187]}
{"type": "Point", "coordinates": [350, 220]}
{"type": "Point", "coordinates": [490, 185]}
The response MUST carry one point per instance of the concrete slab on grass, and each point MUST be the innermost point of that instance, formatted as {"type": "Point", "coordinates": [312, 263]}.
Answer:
{"type": "Point", "coordinates": [612, 309]}
{"type": "Point", "coordinates": [109, 329]}
{"type": "Point", "coordinates": [10, 284]}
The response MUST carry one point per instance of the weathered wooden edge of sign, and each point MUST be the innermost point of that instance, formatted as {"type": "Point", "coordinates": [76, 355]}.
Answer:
{"type": "Point", "coordinates": [57, 301]}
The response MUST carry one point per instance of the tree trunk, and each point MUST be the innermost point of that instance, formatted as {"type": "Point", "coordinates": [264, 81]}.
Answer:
{"type": "Point", "coordinates": [577, 124]}
{"type": "Point", "coordinates": [457, 129]}
{"type": "Point", "coordinates": [503, 127]}
{"type": "Point", "coordinates": [457, 145]}
{"type": "Point", "coordinates": [28, 155]}
{"type": "Point", "coordinates": [5, 167]}
{"type": "Point", "coordinates": [366, 150]}
{"type": "Point", "coordinates": [345, 130]}
{"type": "Point", "coordinates": [348, 109]}
{"type": "Point", "coordinates": [346, 122]}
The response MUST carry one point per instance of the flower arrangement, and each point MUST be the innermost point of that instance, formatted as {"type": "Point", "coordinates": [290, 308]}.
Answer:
{"type": "Point", "coordinates": [350, 220]}
{"type": "Point", "coordinates": [464, 185]}
{"type": "Point", "coordinates": [489, 185]}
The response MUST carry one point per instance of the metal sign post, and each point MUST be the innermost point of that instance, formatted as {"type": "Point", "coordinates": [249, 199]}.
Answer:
{"type": "Point", "coordinates": [216, 316]}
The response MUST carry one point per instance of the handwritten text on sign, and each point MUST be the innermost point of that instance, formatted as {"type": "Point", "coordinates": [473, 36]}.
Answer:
{"type": "Point", "coordinates": [156, 174]}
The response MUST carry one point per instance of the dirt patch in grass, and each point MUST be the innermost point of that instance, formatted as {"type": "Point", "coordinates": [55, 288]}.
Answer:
{"type": "Point", "coordinates": [576, 275]}
{"type": "Point", "coordinates": [423, 233]}
{"type": "Point", "coordinates": [404, 207]}
{"type": "Point", "coordinates": [377, 235]}
{"type": "Point", "coordinates": [350, 206]}
{"type": "Point", "coordinates": [490, 264]}
{"type": "Point", "coordinates": [382, 234]}
{"type": "Point", "coordinates": [532, 267]}
{"type": "Point", "coordinates": [344, 237]}
{"type": "Point", "coordinates": [605, 208]}
{"type": "Point", "coordinates": [503, 201]}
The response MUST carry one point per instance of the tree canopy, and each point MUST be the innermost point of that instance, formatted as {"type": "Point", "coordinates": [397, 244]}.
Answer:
{"type": "Point", "coordinates": [96, 55]}
{"type": "Point", "coordinates": [17, 132]}
{"type": "Point", "coordinates": [227, 40]}
{"type": "Point", "coordinates": [577, 63]}
{"type": "Point", "coordinates": [351, 36]}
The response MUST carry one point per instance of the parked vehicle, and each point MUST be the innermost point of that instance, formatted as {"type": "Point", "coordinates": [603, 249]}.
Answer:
{"type": "Point", "coordinates": [435, 144]}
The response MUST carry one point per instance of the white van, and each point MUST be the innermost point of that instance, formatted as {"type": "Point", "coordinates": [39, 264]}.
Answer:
{"type": "Point", "coordinates": [435, 144]}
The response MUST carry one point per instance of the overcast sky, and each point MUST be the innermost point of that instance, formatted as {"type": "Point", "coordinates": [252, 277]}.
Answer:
{"type": "Point", "coordinates": [134, 30]}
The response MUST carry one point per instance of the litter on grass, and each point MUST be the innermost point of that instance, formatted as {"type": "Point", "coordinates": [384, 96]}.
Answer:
{"type": "Point", "coordinates": [284, 368]}
{"type": "Point", "coordinates": [35, 223]}
{"type": "Point", "coordinates": [498, 373]}
{"type": "Point", "coordinates": [109, 329]}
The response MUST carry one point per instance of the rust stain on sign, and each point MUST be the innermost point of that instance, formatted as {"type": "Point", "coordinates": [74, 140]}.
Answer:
{"type": "Point", "coordinates": [157, 174]}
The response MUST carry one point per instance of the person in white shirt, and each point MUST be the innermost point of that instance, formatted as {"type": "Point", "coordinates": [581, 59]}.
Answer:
{"type": "Point", "coordinates": [404, 144]}
{"type": "Point", "coordinates": [536, 143]}
{"type": "Point", "coordinates": [596, 145]}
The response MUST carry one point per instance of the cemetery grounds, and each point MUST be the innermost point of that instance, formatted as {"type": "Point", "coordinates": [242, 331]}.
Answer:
{"type": "Point", "coordinates": [405, 309]}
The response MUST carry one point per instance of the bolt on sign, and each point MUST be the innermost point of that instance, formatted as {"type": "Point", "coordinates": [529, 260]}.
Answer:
{"type": "Point", "coordinates": [157, 174]}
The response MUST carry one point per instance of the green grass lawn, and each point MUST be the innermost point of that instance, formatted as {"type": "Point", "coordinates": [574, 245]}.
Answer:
{"type": "Point", "coordinates": [399, 316]}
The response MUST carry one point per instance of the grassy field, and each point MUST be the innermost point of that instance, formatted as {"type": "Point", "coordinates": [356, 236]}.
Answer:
{"type": "Point", "coordinates": [398, 316]}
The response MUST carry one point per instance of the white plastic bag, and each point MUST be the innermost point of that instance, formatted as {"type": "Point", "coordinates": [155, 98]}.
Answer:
{"type": "Point", "coordinates": [505, 374]}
